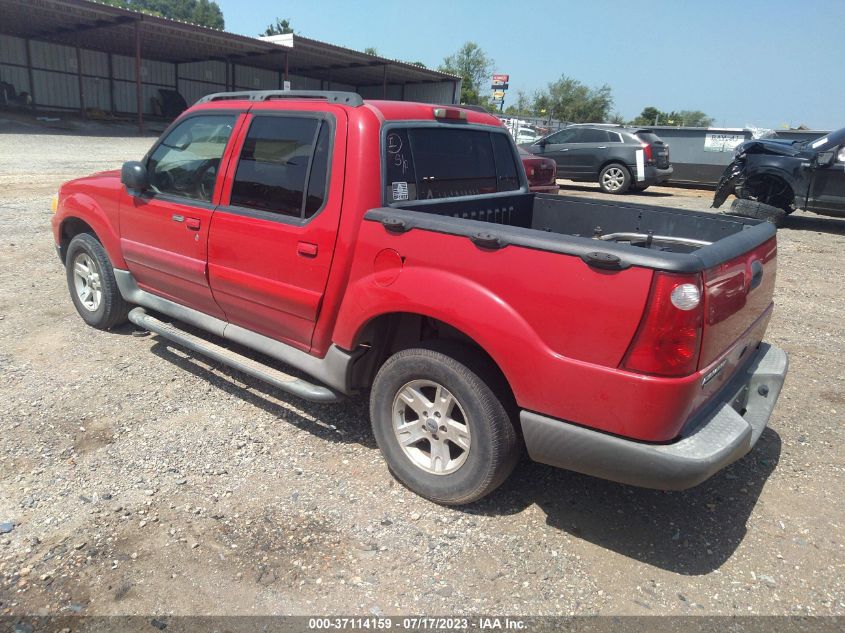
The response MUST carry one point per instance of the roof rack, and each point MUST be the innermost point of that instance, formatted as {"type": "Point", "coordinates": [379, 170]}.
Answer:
{"type": "Point", "coordinates": [332, 96]}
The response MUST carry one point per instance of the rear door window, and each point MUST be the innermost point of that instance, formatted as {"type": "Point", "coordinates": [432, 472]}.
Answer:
{"type": "Point", "coordinates": [589, 135]}
{"type": "Point", "coordinates": [278, 164]}
{"type": "Point", "coordinates": [443, 162]}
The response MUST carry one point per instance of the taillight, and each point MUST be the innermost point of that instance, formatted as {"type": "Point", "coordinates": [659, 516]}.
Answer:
{"type": "Point", "coordinates": [668, 341]}
{"type": "Point", "coordinates": [450, 114]}
{"type": "Point", "coordinates": [647, 152]}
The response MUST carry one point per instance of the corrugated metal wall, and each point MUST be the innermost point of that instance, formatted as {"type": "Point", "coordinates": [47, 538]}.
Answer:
{"type": "Point", "coordinates": [56, 70]}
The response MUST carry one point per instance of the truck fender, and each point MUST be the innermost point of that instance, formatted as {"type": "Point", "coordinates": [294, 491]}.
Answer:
{"type": "Point", "coordinates": [82, 207]}
{"type": "Point", "coordinates": [466, 306]}
{"type": "Point", "coordinates": [767, 165]}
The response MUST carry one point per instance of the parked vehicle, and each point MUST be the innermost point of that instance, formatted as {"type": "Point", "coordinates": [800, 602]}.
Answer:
{"type": "Point", "coordinates": [541, 172]}
{"type": "Point", "coordinates": [394, 247]}
{"type": "Point", "coordinates": [772, 177]}
{"type": "Point", "coordinates": [618, 158]}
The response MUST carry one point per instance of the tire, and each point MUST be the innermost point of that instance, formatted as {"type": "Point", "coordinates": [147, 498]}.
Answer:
{"type": "Point", "coordinates": [90, 280]}
{"type": "Point", "coordinates": [757, 210]}
{"type": "Point", "coordinates": [615, 178]}
{"type": "Point", "coordinates": [638, 187]}
{"type": "Point", "coordinates": [480, 447]}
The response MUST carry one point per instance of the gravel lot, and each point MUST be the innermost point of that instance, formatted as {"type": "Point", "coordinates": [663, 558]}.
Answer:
{"type": "Point", "coordinates": [140, 479]}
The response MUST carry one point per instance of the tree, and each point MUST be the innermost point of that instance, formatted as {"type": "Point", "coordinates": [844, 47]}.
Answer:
{"type": "Point", "coordinates": [202, 12]}
{"type": "Point", "coordinates": [371, 50]}
{"type": "Point", "coordinates": [650, 116]}
{"type": "Point", "coordinates": [474, 67]}
{"type": "Point", "coordinates": [568, 99]}
{"type": "Point", "coordinates": [689, 118]}
{"type": "Point", "coordinates": [279, 27]}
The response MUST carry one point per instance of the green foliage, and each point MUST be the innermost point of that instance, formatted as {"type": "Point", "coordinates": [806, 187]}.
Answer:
{"type": "Point", "coordinates": [568, 99]}
{"type": "Point", "coordinates": [474, 67]}
{"type": "Point", "coordinates": [688, 118]}
{"type": "Point", "coordinates": [202, 12]}
{"type": "Point", "coordinates": [279, 27]}
{"type": "Point", "coordinates": [371, 50]}
{"type": "Point", "coordinates": [617, 118]}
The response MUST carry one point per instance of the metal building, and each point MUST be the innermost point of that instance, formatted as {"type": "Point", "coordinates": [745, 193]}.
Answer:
{"type": "Point", "coordinates": [79, 55]}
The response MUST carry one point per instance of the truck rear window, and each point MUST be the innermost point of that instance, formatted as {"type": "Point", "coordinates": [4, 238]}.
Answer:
{"type": "Point", "coordinates": [444, 162]}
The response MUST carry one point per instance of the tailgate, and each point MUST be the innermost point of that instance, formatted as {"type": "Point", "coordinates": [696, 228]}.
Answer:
{"type": "Point", "coordinates": [736, 293]}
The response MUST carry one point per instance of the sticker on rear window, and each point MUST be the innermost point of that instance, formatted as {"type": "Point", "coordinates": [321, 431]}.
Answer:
{"type": "Point", "coordinates": [400, 190]}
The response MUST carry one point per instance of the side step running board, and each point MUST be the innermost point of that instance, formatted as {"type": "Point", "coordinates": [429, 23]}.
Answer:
{"type": "Point", "coordinates": [296, 386]}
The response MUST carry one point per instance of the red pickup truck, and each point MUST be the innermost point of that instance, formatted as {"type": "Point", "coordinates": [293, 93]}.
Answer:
{"type": "Point", "coordinates": [395, 247]}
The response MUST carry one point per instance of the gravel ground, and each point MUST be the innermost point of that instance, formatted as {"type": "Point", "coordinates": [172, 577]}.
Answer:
{"type": "Point", "coordinates": [138, 479]}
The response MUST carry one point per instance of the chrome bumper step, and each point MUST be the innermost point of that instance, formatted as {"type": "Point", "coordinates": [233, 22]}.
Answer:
{"type": "Point", "coordinates": [230, 358]}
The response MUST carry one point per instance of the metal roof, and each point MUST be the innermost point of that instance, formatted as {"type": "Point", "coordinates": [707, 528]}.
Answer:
{"type": "Point", "coordinates": [97, 26]}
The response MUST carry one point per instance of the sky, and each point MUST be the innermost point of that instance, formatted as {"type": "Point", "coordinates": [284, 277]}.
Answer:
{"type": "Point", "coordinates": [754, 63]}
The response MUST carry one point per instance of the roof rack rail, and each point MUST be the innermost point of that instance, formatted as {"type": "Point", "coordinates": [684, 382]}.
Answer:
{"type": "Point", "coordinates": [332, 96]}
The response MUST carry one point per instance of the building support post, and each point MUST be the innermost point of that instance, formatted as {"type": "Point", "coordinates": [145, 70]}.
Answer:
{"type": "Point", "coordinates": [29, 71]}
{"type": "Point", "coordinates": [111, 84]}
{"type": "Point", "coordinates": [384, 83]}
{"type": "Point", "coordinates": [138, 96]}
{"type": "Point", "coordinates": [287, 67]}
{"type": "Point", "coordinates": [79, 82]}
{"type": "Point", "coordinates": [176, 77]}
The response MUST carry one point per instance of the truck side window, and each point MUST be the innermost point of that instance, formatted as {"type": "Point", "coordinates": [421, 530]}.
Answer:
{"type": "Point", "coordinates": [186, 162]}
{"type": "Point", "coordinates": [273, 166]}
{"type": "Point", "coordinates": [506, 169]}
{"type": "Point", "coordinates": [319, 172]}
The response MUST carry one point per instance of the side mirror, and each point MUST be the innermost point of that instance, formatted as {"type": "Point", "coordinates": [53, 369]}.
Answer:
{"type": "Point", "coordinates": [825, 159]}
{"type": "Point", "coordinates": [134, 175]}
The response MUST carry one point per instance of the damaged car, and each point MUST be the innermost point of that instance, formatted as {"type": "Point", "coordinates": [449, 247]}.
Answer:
{"type": "Point", "coordinates": [772, 177]}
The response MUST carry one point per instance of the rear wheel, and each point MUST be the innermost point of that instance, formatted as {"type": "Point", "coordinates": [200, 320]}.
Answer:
{"type": "Point", "coordinates": [758, 210]}
{"type": "Point", "coordinates": [615, 178]}
{"type": "Point", "coordinates": [90, 279]}
{"type": "Point", "coordinates": [441, 428]}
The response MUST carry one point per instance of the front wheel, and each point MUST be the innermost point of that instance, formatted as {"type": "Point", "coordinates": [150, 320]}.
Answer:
{"type": "Point", "coordinates": [615, 178]}
{"type": "Point", "coordinates": [90, 279]}
{"type": "Point", "coordinates": [441, 428]}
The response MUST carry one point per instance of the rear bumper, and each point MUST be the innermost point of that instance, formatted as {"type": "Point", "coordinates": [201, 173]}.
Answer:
{"type": "Point", "coordinates": [544, 188]}
{"type": "Point", "coordinates": [655, 175]}
{"type": "Point", "coordinates": [714, 438]}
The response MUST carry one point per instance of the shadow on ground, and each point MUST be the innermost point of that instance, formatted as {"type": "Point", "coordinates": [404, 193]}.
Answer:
{"type": "Point", "coordinates": [693, 532]}
{"type": "Point", "coordinates": [566, 186]}
{"type": "Point", "coordinates": [350, 418]}
{"type": "Point", "coordinates": [815, 223]}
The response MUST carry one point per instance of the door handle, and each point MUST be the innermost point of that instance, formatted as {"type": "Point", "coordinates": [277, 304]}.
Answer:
{"type": "Point", "coordinates": [192, 223]}
{"type": "Point", "coordinates": [602, 147]}
{"type": "Point", "coordinates": [306, 249]}
{"type": "Point", "coordinates": [564, 149]}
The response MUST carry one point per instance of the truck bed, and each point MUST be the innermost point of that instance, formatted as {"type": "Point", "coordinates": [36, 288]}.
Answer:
{"type": "Point", "coordinates": [636, 235]}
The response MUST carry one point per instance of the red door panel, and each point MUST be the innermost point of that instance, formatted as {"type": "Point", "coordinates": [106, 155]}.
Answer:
{"type": "Point", "coordinates": [164, 235]}
{"type": "Point", "coordinates": [267, 272]}
{"type": "Point", "coordinates": [165, 255]}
